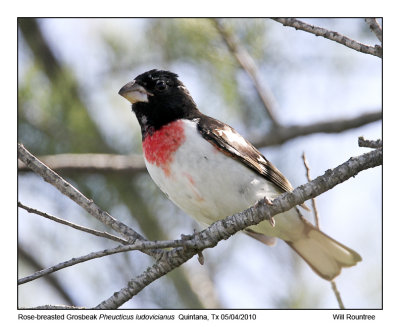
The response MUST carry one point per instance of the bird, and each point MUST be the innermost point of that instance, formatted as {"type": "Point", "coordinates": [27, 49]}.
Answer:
{"type": "Point", "coordinates": [210, 171]}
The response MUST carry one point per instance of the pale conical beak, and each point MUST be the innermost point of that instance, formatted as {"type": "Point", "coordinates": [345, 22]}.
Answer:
{"type": "Point", "coordinates": [134, 92]}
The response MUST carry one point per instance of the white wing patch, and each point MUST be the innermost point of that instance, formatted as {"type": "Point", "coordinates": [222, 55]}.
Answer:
{"type": "Point", "coordinates": [231, 137]}
{"type": "Point", "coordinates": [261, 159]}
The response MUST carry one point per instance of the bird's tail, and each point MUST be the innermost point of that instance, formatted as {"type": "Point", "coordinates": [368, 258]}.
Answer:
{"type": "Point", "coordinates": [324, 255]}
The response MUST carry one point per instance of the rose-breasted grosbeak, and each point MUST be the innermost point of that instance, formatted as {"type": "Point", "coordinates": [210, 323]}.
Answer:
{"type": "Point", "coordinates": [210, 171]}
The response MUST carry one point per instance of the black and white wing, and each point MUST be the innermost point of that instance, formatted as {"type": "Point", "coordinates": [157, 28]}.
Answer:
{"type": "Point", "coordinates": [227, 140]}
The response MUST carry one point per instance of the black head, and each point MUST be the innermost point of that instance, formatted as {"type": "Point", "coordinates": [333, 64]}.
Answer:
{"type": "Point", "coordinates": [158, 98]}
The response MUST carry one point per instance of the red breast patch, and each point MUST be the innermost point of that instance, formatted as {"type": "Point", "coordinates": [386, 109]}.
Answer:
{"type": "Point", "coordinates": [159, 148]}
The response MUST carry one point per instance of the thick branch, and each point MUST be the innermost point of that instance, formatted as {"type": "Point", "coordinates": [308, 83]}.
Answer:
{"type": "Point", "coordinates": [331, 35]}
{"type": "Point", "coordinates": [225, 228]}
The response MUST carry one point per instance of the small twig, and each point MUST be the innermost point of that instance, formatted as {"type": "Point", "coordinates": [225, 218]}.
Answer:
{"type": "Point", "coordinates": [313, 201]}
{"type": "Point", "coordinates": [316, 215]}
{"type": "Point", "coordinates": [94, 255]}
{"type": "Point", "coordinates": [375, 27]}
{"type": "Point", "coordinates": [362, 142]}
{"type": "Point", "coordinates": [68, 223]}
{"type": "Point", "coordinates": [249, 66]}
{"type": "Point", "coordinates": [337, 294]}
{"type": "Point", "coordinates": [331, 35]}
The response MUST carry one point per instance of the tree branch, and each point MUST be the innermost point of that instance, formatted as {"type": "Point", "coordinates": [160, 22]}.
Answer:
{"type": "Point", "coordinates": [285, 133]}
{"type": "Point", "coordinates": [146, 245]}
{"type": "Point", "coordinates": [331, 35]}
{"type": "Point", "coordinates": [111, 163]}
{"type": "Point", "coordinates": [225, 228]}
{"type": "Point", "coordinates": [67, 189]}
{"type": "Point", "coordinates": [316, 216]}
{"type": "Point", "coordinates": [375, 27]}
{"type": "Point", "coordinates": [249, 66]}
{"type": "Point", "coordinates": [222, 229]}
{"type": "Point", "coordinates": [68, 223]}
{"type": "Point", "coordinates": [184, 249]}
{"type": "Point", "coordinates": [369, 144]}
{"type": "Point", "coordinates": [337, 294]}
{"type": "Point", "coordinates": [92, 162]}
{"type": "Point", "coordinates": [313, 201]}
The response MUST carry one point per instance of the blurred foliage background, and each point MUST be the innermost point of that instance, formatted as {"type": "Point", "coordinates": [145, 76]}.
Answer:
{"type": "Point", "coordinates": [69, 73]}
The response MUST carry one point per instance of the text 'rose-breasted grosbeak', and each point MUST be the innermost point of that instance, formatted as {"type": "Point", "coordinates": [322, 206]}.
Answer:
{"type": "Point", "coordinates": [210, 171]}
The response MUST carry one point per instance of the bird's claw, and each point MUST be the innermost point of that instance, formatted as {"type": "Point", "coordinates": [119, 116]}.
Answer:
{"type": "Point", "coordinates": [271, 219]}
{"type": "Point", "coordinates": [200, 257]}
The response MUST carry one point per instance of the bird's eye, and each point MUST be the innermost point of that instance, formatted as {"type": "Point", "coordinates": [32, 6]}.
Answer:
{"type": "Point", "coordinates": [161, 85]}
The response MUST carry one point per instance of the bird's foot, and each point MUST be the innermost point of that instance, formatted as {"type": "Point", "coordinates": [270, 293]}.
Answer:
{"type": "Point", "coordinates": [270, 219]}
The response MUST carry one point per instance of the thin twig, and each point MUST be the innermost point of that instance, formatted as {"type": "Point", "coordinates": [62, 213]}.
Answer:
{"type": "Point", "coordinates": [316, 216]}
{"type": "Point", "coordinates": [68, 223]}
{"type": "Point", "coordinates": [99, 254]}
{"type": "Point", "coordinates": [362, 142]}
{"type": "Point", "coordinates": [313, 201]}
{"type": "Point", "coordinates": [375, 27]}
{"type": "Point", "coordinates": [331, 35]}
{"type": "Point", "coordinates": [337, 294]}
{"type": "Point", "coordinates": [249, 66]}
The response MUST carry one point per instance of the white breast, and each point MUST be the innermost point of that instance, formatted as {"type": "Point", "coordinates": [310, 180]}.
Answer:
{"type": "Point", "coordinates": [207, 184]}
